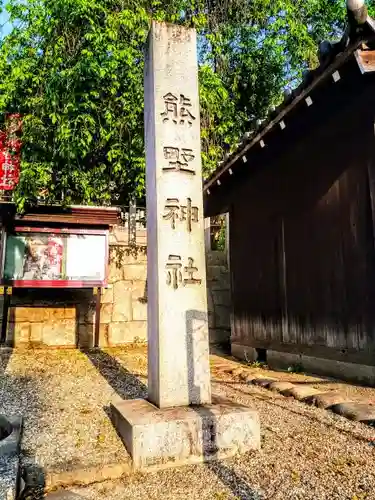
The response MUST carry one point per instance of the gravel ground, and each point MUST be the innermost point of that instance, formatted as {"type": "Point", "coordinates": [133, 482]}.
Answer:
{"type": "Point", "coordinates": [307, 453]}
{"type": "Point", "coordinates": [63, 396]}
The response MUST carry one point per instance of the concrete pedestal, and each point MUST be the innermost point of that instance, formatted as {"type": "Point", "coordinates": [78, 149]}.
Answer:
{"type": "Point", "coordinates": [169, 437]}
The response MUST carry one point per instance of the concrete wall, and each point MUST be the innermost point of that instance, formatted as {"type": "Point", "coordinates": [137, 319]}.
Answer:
{"type": "Point", "coordinates": [66, 318]}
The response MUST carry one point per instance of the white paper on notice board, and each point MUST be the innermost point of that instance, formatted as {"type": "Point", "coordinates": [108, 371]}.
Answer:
{"type": "Point", "coordinates": [86, 257]}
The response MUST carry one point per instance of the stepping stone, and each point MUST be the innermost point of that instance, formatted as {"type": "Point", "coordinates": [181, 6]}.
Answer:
{"type": "Point", "coordinates": [263, 382]}
{"type": "Point", "coordinates": [280, 386]}
{"type": "Point", "coordinates": [360, 412]}
{"type": "Point", "coordinates": [236, 372]}
{"type": "Point", "coordinates": [248, 378]}
{"type": "Point", "coordinates": [228, 370]}
{"type": "Point", "coordinates": [301, 392]}
{"type": "Point", "coordinates": [63, 495]}
{"type": "Point", "coordinates": [326, 399]}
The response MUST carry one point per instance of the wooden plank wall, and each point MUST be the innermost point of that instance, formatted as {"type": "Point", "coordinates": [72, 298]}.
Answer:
{"type": "Point", "coordinates": [302, 246]}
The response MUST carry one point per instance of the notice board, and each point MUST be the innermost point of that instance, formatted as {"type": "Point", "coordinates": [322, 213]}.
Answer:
{"type": "Point", "coordinates": [36, 257]}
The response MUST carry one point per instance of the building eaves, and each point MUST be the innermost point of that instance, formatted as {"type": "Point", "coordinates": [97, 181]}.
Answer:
{"type": "Point", "coordinates": [358, 40]}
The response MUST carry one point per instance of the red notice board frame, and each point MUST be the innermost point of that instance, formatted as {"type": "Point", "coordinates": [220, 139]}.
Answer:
{"type": "Point", "coordinates": [61, 283]}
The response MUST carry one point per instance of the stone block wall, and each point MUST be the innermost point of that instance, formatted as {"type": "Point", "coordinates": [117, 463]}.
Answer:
{"type": "Point", "coordinates": [123, 316]}
{"type": "Point", "coordinates": [218, 297]}
{"type": "Point", "coordinates": [66, 318]}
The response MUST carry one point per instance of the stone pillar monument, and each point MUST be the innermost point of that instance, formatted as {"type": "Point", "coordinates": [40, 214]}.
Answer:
{"type": "Point", "coordinates": [178, 423]}
{"type": "Point", "coordinates": [179, 372]}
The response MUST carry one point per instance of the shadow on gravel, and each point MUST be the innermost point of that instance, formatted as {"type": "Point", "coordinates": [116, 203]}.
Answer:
{"type": "Point", "coordinates": [238, 486]}
{"type": "Point", "coordinates": [34, 478]}
{"type": "Point", "coordinates": [122, 381]}
{"type": "Point", "coordinates": [5, 355]}
{"type": "Point", "coordinates": [227, 475]}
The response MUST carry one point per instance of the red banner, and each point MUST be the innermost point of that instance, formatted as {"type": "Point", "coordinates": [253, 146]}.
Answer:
{"type": "Point", "coordinates": [10, 152]}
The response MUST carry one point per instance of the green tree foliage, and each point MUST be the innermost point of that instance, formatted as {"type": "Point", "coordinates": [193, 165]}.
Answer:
{"type": "Point", "coordinates": [74, 70]}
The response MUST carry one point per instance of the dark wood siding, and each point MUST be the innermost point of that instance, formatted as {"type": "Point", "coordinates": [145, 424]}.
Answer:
{"type": "Point", "coordinates": [302, 242]}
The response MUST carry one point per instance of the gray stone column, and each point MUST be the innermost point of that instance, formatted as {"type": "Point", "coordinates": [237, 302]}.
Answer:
{"type": "Point", "coordinates": [166, 430]}
{"type": "Point", "coordinates": [178, 370]}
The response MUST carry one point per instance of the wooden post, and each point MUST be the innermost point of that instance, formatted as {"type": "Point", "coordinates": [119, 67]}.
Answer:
{"type": "Point", "coordinates": [227, 237]}
{"type": "Point", "coordinates": [132, 222]}
{"type": "Point", "coordinates": [6, 298]}
{"type": "Point", "coordinates": [97, 293]}
{"type": "Point", "coordinates": [207, 233]}
{"type": "Point", "coordinates": [6, 306]}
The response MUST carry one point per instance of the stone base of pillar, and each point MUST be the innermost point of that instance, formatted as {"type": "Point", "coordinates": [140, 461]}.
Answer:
{"type": "Point", "coordinates": [171, 437]}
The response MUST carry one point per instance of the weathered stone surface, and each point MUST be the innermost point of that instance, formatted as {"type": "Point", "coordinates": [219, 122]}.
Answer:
{"type": "Point", "coordinates": [70, 313]}
{"type": "Point", "coordinates": [218, 335]}
{"type": "Point", "coordinates": [115, 273]}
{"type": "Point", "coordinates": [280, 386]}
{"type": "Point", "coordinates": [11, 428]}
{"type": "Point", "coordinates": [61, 333]}
{"type": "Point", "coordinates": [124, 333]}
{"type": "Point", "coordinates": [184, 435]}
{"type": "Point", "coordinates": [46, 313]}
{"type": "Point", "coordinates": [65, 495]}
{"type": "Point", "coordinates": [138, 289]}
{"type": "Point", "coordinates": [360, 412]}
{"type": "Point", "coordinates": [326, 399]}
{"type": "Point", "coordinates": [217, 258]}
{"type": "Point", "coordinates": [263, 382]}
{"type": "Point", "coordinates": [210, 301]}
{"type": "Point", "coordinates": [21, 332]}
{"type": "Point", "coordinates": [120, 235]}
{"type": "Point", "coordinates": [107, 295]}
{"type": "Point", "coordinates": [222, 317]}
{"type": "Point", "coordinates": [139, 300]}
{"type": "Point", "coordinates": [236, 372]}
{"type": "Point", "coordinates": [222, 283]}
{"type": "Point", "coordinates": [86, 476]}
{"type": "Point", "coordinates": [222, 298]}
{"type": "Point", "coordinates": [122, 306]}
{"type": "Point", "coordinates": [106, 313]}
{"type": "Point", "coordinates": [215, 272]}
{"type": "Point", "coordinates": [56, 314]}
{"type": "Point", "coordinates": [120, 238]}
{"type": "Point", "coordinates": [139, 309]}
{"type": "Point", "coordinates": [177, 315]}
{"type": "Point", "coordinates": [301, 392]}
{"type": "Point", "coordinates": [104, 336]}
{"type": "Point", "coordinates": [36, 333]}
{"type": "Point", "coordinates": [27, 314]}
{"type": "Point", "coordinates": [125, 254]}
{"type": "Point", "coordinates": [211, 319]}
{"type": "Point", "coordinates": [246, 376]}
{"type": "Point", "coordinates": [246, 353]}
{"type": "Point", "coordinates": [134, 272]}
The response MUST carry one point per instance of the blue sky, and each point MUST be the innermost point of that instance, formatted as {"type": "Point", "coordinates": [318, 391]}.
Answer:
{"type": "Point", "coordinates": [6, 28]}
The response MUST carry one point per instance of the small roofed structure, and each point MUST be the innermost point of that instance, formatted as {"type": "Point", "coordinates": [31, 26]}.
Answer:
{"type": "Point", "coordinates": [300, 192]}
